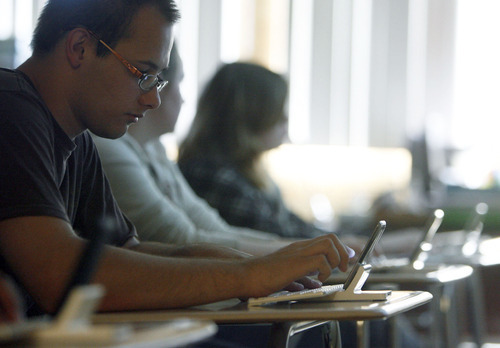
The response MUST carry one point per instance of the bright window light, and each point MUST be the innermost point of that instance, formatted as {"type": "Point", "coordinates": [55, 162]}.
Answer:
{"type": "Point", "coordinates": [476, 117]}
{"type": "Point", "coordinates": [23, 29]}
{"type": "Point", "coordinates": [230, 30]}
{"type": "Point", "coordinates": [360, 73]}
{"type": "Point", "coordinates": [7, 23]}
{"type": "Point", "coordinates": [300, 70]}
{"type": "Point", "coordinates": [186, 32]}
{"type": "Point", "coordinates": [477, 74]}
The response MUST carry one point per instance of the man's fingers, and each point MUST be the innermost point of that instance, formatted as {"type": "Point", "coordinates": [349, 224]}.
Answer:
{"type": "Point", "coordinates": [314, 256]}
{"type": "Point", "coordinates": [294, 286]}
{"type": "Point", "coordinates": [320, 264]}
{"type": "Point", "coordinates": [304, 283]}
{"type": "Point", "coordinates": [345, 253]}
{"type": "Point", "coordinates": [332, 248]}
{"type": "Point", "coordinates": [310, 283]}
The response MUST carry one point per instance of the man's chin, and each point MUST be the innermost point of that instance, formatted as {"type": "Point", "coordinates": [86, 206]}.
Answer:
{"type": "Point", "coordinates": [111, 134]}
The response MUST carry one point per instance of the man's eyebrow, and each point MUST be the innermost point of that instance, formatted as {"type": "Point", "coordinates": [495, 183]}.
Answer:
{"type": "Point", "coordinates": [151, 65]}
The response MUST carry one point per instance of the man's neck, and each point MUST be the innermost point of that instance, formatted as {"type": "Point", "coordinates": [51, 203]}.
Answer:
{"type": "Point", "coordinates": [53, 91]}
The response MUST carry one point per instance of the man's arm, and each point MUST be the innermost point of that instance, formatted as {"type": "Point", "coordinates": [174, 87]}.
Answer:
{"type": "Point", "coordinates": [10, 303]}
{"type": "Point", "coordinates": [43, 252]}
{"type": "Point", "coordinates": [199, 250]}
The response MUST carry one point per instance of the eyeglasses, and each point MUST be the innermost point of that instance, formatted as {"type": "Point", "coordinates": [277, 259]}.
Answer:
{"type": "Point", "coordinates": [146, 81]}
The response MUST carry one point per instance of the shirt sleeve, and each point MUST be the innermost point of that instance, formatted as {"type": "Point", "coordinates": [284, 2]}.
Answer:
{"type": "Point", "coordinates": [203, 216]}
{"type": "Point", "coordinates": [28, 184]}
{"type": "Point", "coordinates": [96, 199]}
{"type": "Point", "coordinates": [156, 216]}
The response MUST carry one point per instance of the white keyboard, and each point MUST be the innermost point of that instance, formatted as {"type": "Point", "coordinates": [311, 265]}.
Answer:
{"type": "Point", "coordinates": [282, 296]}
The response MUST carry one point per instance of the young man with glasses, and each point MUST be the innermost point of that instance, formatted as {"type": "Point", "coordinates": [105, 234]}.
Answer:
{"type": "Point", "coordinates": [95, 67]}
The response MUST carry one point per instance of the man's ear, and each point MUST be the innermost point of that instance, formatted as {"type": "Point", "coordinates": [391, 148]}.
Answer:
{"type": "Point", "coordinates": [77, 46]}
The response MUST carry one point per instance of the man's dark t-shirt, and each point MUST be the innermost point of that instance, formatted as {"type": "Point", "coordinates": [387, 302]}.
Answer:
{"type": "Point", "coordinates": [45, 173]}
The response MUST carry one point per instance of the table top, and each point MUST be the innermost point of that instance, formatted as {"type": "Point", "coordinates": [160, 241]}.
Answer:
{"type": "Point", "coordinates": [433, 274]}
{"type": "Point", "coordinates": [487, 254]}
{"type": "Point", "coordinates": [235, 311]}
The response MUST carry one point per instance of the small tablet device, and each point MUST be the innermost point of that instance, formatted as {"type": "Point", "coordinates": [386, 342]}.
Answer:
{"type": "Point", "coordinates": [325, 290]}
{"type": "Point", "coordinates": [367, 250]}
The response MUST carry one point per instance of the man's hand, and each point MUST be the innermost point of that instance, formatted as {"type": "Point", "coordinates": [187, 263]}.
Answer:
{"type": "Point", "coordinates": [357, 243]}
{"type": "Point", "coordinates": [296, 261]}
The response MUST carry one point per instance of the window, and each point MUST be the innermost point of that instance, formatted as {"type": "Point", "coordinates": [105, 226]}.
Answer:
{"type": "Point", "coordinates": [476, 105]}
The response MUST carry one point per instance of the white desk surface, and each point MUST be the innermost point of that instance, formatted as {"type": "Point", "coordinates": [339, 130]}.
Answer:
{"type": "Point", "coordinates": [428, 275]}
{"type": "Point", "coordinates": [487, 254]}
{"type": "Point", "coordinates": [234, 311]}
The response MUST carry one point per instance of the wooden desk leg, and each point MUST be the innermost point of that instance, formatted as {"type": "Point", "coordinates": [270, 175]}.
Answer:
{"type": "Point", "coordinates": [282, 332]}
{"type": "Point", "coordinates": [363, 333]}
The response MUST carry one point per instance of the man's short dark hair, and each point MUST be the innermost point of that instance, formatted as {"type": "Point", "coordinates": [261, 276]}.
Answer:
{"type": "Point", "coordinates": [109, 19]}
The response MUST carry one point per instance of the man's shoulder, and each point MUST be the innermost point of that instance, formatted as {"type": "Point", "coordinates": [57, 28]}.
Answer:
{"type": "Point", "coordinates": [21, 106]}
{"type": "Point", "coordinates": [14, 81]}
{"type": "Point", "coordinates": [9, 79]}
{"type": "Point", "coordinates": [18, 96]}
